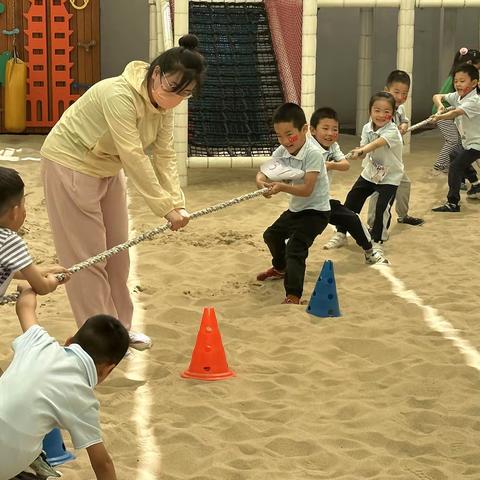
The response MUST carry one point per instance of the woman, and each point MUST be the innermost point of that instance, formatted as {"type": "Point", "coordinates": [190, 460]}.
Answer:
{"type": "Point", "coordinates": [103, 135]}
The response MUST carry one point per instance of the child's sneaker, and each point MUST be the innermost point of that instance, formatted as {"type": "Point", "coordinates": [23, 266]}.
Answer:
{"type": "Point", "coordinates": [447, 207]}
{"type": "Point", "coordinates": [408, 220]}
{"type": "Point", "coordinates": [376, 257]}
{"type": "Point", "coordinates": [474, 191]}
{"type": "Point", "coordinates": [140, 341]}
{"type": "Point", "coordinates": [337, 241]}
{"type": "Point", "coordinates": [42, 468]}
{"type": "Point", "coordinates": [291, 299]}
{"type": "Point", "coordinates": [272, 273]}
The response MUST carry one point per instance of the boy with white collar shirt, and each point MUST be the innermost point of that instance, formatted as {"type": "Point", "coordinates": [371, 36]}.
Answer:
{"type": "Point", "coordinates": [466, 114]}
{"type": "Point", "coordinates": [309, 208]}
{"type": "Point", "coordinates": [324, 128]}
{"type": "Point", "coordinates": [48, 386]}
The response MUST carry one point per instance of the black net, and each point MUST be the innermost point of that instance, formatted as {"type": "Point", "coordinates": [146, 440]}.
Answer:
{"type": "Point", "coordinates": [232, 116]}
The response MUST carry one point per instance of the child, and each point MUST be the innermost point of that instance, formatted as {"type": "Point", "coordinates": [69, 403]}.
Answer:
{"type": "Point", "coordinates": [466, 101]}
{"type": "Point", "coordinates": [324, 128]}
{"type": "Point", "coordinates": [15, 261]}
{"type": "Point", "coordinates": [309, 208]}
{"type": "Point", "coordinates": [398, 84]}
{"type": "Point", "coordinates": [48, 386]}
{"type": "Point", "coordinates": [452, 143]}
{"type": "Point", "coordinates": [381, 145]}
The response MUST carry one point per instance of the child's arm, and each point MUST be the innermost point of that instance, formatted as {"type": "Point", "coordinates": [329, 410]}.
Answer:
{"type": "Point", "coordinates": [101, 462]}
{"type": "Point", "coordinates": [342, 165]}
{"type": "Point", "coordinates": [304, 189]}
{"type": "Point", "coordinates": [450, 115]}
{"type": "Point", "coordinates": [25, 308]}
{"type": "Point", "coordinates": [403, 128]}
{"type": "Point", "coordinates": [360, 152]}
{"type": "Point", "coordinates": [42, 282]}
{"type": "Point", "coordinates": [438, 102]}
{"type": "Point", "coordinates": [261, 180]}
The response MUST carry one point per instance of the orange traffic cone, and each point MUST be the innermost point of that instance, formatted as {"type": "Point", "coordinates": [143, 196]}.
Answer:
{"type": "Point", "coordinates": [208, 357]}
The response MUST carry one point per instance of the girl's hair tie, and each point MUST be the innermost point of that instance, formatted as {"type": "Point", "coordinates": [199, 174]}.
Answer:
{"type": "Point", "coordinates": [463, 51]}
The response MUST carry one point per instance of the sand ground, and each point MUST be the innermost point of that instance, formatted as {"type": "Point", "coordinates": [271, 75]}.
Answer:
{"type": "Point", "coordinates": [377, 393]}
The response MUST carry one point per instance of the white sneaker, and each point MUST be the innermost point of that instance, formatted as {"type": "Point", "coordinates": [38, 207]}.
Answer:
{"type": "Point", "coordinates": [376, 257]}
{"type": "Point", "coordinates": [42, 468]}
{"type": "Point", "coordinates": [140, 341]}
{"type": "Point", "coordinates": [339, 240]}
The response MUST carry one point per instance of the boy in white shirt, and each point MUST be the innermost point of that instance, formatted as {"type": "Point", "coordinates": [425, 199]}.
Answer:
{"type": "Point", "coordinates": [309, 208]}
{"type": "Point", "coordinates": [466, 100]}
{"type": "Point", "coordinates": [48, 386]}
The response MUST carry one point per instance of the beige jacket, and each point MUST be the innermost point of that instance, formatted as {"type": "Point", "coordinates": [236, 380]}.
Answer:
{"type": "Point", "coordinates": [111, 127]}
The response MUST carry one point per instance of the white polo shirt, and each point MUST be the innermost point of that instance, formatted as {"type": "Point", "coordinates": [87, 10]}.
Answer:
{"type": "Point", "coordinates": [332, 154]}
{"type": "Point", "coordinates": [308, 159]}
{"type": "Point", "coordinates": [45, 386]}
{"type": "Point", "coordinates": [468, 125]}
{"type": "Point", "coordinates": [400, 116]}
{"type": "Point", "coordinates": [383, 166]}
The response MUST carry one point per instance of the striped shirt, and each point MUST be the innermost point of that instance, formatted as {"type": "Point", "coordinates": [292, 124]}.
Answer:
{"type": "Point", "coordinates": [14, 256]}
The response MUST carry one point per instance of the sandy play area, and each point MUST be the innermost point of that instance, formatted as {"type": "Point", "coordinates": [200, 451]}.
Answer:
{"type": "Point", "coordinates": [387, 391]}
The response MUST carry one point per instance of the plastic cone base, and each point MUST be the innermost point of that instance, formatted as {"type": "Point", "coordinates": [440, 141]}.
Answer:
{"type": "Point", "coordinates": [207, 376]}
{"type": "Point", "coordinates": [55, 448]}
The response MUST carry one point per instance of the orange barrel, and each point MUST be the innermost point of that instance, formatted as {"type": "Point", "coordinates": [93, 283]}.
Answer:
{"type": "Point", "coordinates": [16, 96]}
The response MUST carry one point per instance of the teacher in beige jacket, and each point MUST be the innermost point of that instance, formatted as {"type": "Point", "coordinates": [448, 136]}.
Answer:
{"type": "Point", "coordinates": [103, 135]}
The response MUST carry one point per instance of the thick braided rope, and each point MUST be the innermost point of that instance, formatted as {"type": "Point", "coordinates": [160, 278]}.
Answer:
{"type": "Point", "coordinates": [144, 236]}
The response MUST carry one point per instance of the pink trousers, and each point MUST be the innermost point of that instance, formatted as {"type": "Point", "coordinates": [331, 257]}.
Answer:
{"type": "Point", "coordinates": [89, 215]}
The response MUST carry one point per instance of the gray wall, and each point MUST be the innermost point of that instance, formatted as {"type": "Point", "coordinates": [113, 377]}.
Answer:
{"type": "Point", "coordinates": [124, 37]}
{"type": "Point", "coordinates": [337, 55]}
{"type": "Point", "coordinates": [124, 34]}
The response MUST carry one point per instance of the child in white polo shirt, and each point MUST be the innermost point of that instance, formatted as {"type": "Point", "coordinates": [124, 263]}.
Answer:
{"type": "Point", "coordinates": [15, 260]}
{"type": "Point", "coordinates": [381, 146]}
{"type": "Point", "coordinates": [309, 208]}
{"type": "Point", "coordinates": [324, 128]}
{"type": "Point", "coordinates": [48, 386]}
{"type": "Point", "coordinates": [466, 100]}
{"type": "Point", "coordinates": [398, 84]}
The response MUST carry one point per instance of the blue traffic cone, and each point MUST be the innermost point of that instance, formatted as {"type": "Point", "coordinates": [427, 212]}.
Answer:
{"type": "Point", "coordinates": [324, 299]}
{"type": "Point", "coordinates": [55, 448]}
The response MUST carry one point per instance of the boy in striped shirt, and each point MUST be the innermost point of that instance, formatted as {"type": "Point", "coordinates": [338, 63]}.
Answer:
{"type": "Point", "coordinates": [15, 260]}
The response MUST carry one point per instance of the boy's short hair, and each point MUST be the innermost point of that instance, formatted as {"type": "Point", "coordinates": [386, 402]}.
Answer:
{"type": "Point", "coordinates": [290, 112]}
{"type": "Point", "coordinates": [11, 188]}
{"type": "Point", "coordinates": [321, 113]}
{"type": "Point", "coordinates": [104, 338]}
{"type": "Point", "coordinates": [467, 68]}
{"type": "Point", "coordinates": [398, 76]}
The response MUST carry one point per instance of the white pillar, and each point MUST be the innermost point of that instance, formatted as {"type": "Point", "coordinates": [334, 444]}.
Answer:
{"type": "Point", "coordinates": [447, 45]}
{"type": "Point", "coordinates": [364, 74]}
{"type": "Point", "coordinates": [405, 40]}
{"type": "Point", "coordinates": [309, 57]}
{"type": "Point", "coordinates": [152, 45]}
{"type": "Point", "coordinates": [181, 112]}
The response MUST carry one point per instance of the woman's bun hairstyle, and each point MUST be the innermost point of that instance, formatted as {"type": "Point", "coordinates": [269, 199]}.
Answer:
{"type": "Point", "coordinates": [190, 42]}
